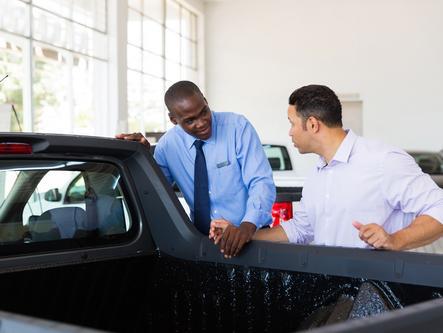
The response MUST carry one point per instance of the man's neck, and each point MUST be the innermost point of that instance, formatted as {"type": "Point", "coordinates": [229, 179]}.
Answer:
{"type": "Point", "coordinates": [331, 141]}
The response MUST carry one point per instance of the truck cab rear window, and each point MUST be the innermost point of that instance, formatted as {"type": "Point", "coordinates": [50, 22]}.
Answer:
{"type": "Point", "coordinates": [278, 157]}
{"type": "Point", "coordinates": [47, 201]}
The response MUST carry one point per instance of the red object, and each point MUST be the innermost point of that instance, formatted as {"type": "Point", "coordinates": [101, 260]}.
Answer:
{"type": "Point", "coordinates": [15, 148]}
{"type": "Point", "coordinates": [281, 211]}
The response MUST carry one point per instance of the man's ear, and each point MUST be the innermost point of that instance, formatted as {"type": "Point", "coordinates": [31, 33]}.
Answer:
{"type": "Point", "coordinates": [313, 124]}
{"type": "Point", "coordinates": [172, 118]}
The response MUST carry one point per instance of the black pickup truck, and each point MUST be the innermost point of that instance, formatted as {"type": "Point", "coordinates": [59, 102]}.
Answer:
{"type": "Point", "coordinates": [116, 252]}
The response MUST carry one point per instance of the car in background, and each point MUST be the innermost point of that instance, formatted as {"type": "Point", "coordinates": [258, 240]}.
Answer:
{"type": "Point", "coordinates": [431, 163]}
{"type": "Point", "coordinates": [288, 185]}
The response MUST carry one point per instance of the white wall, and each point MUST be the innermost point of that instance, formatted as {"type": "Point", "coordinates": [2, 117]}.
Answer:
{"type": "Point", "coordinates": [390, 52]}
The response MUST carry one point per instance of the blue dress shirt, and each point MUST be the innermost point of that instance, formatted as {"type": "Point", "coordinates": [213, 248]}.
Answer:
{"type": "Point", "coordinates": [366, 181]}
{"type": "Point", "coordinates": [241, 187]}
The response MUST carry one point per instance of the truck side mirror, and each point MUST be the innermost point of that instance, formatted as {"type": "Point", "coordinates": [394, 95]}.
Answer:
{"type": "Point", "coordinates": [53, 195]}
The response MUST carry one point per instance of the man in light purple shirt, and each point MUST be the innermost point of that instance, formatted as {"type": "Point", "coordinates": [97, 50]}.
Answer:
{"type": "Point", "coordinates": [362, 193]}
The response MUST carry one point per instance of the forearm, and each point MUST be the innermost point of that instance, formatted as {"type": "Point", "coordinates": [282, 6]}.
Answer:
{"type": "Point", "coordinates": [422, 231]}
{"type": "Point", "coordinates": [276, 234]}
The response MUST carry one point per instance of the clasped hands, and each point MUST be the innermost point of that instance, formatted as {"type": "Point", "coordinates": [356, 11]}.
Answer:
{"type": "Point", "coordinates": [231, 239]}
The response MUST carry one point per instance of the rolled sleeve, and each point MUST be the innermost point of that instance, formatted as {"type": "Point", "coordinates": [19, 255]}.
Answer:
{"type": "Point", "coordinates": [407, 188]}
{"type": "Point", "coordinates": [298, 229]}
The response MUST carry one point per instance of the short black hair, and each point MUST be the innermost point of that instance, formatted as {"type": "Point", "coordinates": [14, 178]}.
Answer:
{"type": "Point", "coordinates": [179, 91]}
{"type": "Point", "coordinates": [317, 101]}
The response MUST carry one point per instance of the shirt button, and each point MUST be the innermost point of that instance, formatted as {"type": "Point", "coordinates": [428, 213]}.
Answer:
{"type": "Point", "coordinates": [327, 196]}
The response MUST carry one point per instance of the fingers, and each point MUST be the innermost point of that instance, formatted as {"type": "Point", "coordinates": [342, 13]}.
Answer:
{"type": "Point", "coordinates": [234, 239]}
{"type": "Point", "coordinates": [218, 236]}
{"type": "Point", "coordinates": [367, 232]}
{"type": "Point", "coordinates": [230, 238]}
{"type": "Point", "coordinates": [217, 228]}
{"type": "Point", "coordinates": [240, 245]}
{"type": "Point", "coordinates": [357, 225]}
{"type": "Point", "coordinates": [133, 137]}
{"type": "Point", "coordinates": [374, 235]}
{"type": "Point", "coordinates": [227, 240]}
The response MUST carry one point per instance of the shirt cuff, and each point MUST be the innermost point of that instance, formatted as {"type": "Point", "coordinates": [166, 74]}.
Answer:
{"type": "Point", "coordinates": [296, 233]}
{"type": "Point", "coordinates": [435, 213]}
{"type": "Point", "coordinates": [257, 217]}
{"type": "Point", "coordinates": [290, 231]}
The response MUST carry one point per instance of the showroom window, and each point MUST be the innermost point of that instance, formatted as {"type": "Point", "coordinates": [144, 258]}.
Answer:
{"type": "Point", "coordinates": [55, 55]}
{"type": "Point", "coordinates": [162, 49]}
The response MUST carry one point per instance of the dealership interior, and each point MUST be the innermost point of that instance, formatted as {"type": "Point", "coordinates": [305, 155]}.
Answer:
{"type": "Point", "coordinates": [102, 67]}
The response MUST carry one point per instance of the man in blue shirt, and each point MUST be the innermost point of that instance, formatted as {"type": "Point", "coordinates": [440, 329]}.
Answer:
{"type": "Point", "coordinates": [238, 186]}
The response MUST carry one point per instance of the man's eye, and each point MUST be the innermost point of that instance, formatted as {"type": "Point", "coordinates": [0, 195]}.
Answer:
{"type": "Point", "coordinates": [189, 122]}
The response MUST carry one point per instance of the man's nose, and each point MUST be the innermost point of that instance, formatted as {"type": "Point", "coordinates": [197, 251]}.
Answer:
{"type": "Point", "coordinates": [200, 123]}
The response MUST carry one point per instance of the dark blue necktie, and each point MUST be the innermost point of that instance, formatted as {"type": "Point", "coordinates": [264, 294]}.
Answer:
{"type": "Point", "coordinates": [201, 190]}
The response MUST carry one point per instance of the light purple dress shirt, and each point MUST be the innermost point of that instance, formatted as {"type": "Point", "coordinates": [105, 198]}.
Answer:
{"type": "Point", "coordinates": [366, 181]}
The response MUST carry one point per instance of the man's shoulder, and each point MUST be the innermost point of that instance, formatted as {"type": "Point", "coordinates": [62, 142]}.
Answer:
{"type": "Point", "coordinates": [376, 147]}
{"type": "Point", "coordinates": [169, 137]}
{"type": "Point", "coordinates": [379, 154]}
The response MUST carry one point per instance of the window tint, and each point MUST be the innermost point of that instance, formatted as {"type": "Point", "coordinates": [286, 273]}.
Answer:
{"type": "Point", "coordinates": [278, 157]}
{"type": "Point", "coordinates": [61, 200]}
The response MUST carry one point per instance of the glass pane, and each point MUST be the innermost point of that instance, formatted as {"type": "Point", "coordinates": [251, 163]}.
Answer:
{"type": "Point", "coordinates": [134, 28]}
{"type": "Point", "coordinates": [153, 105]}
{"type": "Point", "coordinates": [173, 16]}
{"type": "Point", "coordinates": [135, 4]}
{"type": "Point", "coordinates": [189, 53]}
{"type": "Point", "coordinates": [152, 36]}
{"type": "Point", "coordinates": [154, 9]}
{"type": "Point", "coordinates": [91, 13]}
{"type": "Point", "coordinates": [172, 71]}
{"type": "Point", "coordinates": [14, 17]}
{"type": "Point", "coordinates": [135, 111]}
{"type": "Point", "coordinates": [49, 214]}
{"type": "Point", "coordinates": [186, 23]}
{"type": "Point", "coordinates": [50, 28]}
{"type": "Point", "coordinates": [51, 89]}
{"type": "Point", "coordinates": [189, 74]}
{"type": "Point", "coordinates": [85, 81]}
{"type": "Point", "coordinates": [194, 27]}
{"type": "Point", "coordinates": [134, 58]}
{"type": "Point", "coordinates": [59, 7]}
{"type": "Point", "coordinates": [153, 64]}
{"type": "Point", "coordinates": [172, 46]}
{"type": "Point", "coordinates": [89, 41]}
{"type": "Point", "coordinates": [11, 89]}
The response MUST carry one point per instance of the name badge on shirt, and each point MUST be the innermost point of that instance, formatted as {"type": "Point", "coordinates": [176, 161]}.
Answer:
{"type": "Point", "coordinates": [223, 164]}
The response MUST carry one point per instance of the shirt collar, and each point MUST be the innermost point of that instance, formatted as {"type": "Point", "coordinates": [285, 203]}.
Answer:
{"type": "Point", "coordinates": [189, 139]}
{"type": "Point", "coordinates": [343, 152]}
